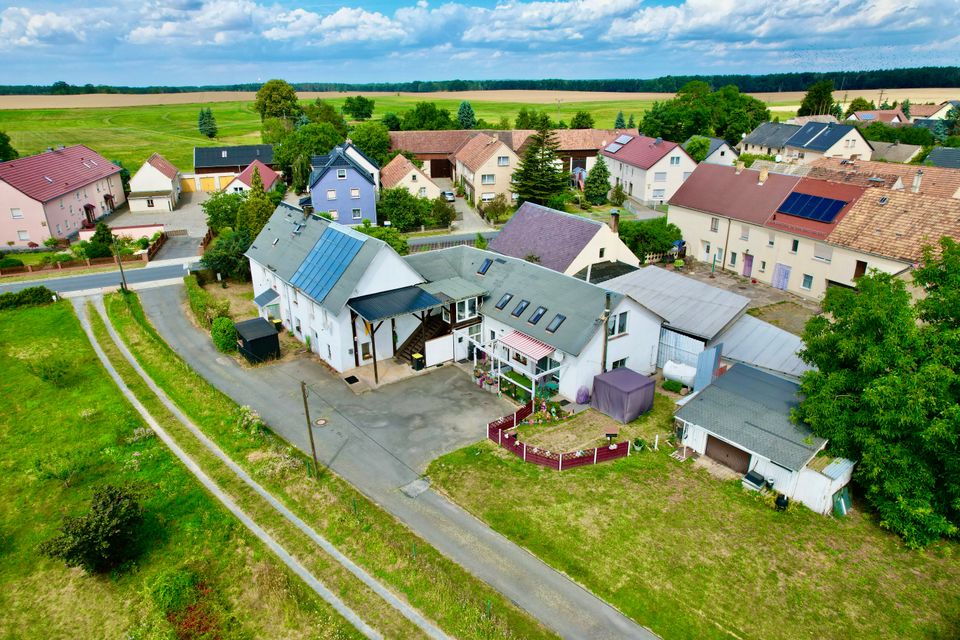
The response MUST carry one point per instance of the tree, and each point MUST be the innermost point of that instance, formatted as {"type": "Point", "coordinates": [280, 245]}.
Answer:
{"type": "Point", "coordinates": [373, 139]}
{"type": "Point", "coordinates": [858, 104]}
{"type": "Point", "coordinates": [103, 538]}
{"type": "Point", "coordinates": [320, 111]}
{"type": "Point", "coordinates": [886, 392]}
{"type": "Point", "coordinates": [480, 242]}
{"type": "Point", "coordinates": [617, 195]}
{"type": "Point", "coordinates": [905, 107]}
{"type": "Point", "coordinates": [504, 123]}
{"type": "Point", "coordinates": [275, 130]}
{"type": "Point", "coordinates": [226, 255]}
{"type": "Point", "coordinates": [221, 209]}
{"type": "Point", "coordinates": [427, 116]}
{"type": "Point", "coordinates": [619, 123]}
{"type": "Point", "coordinates": [582, 120]}
{"type": "Point", "coordinates": [696, 110]}
{"type": "Point", "coordinates": [404, 210]}
{"type": "Point", "coordinates": [698, 147]}
{"type": "Point", "coordinates": [124, 176]}
{"type": "Point", "coordinates": [533, 119]}
{"type": "Point", "coordinates": [952, 121]}
{"type": "Point", "coordinates": [359, 107]}
{"type": "Point", "coordinates": [7, 152]}
{"type": "Point", "coordinates": [388, 234]}
{"type": "Point", "coordinates": [206, 123]}
{"type": "Point", "coordinates": [631, 123]}
{"type": "Point", "coordinates": [297, 148]}
{"type": "Point", "coordinates": [819, 100]}
{"type": "Point", "coordinates": [540, 175]}
{"type": "Point", "coordinates": [440, 214]}
{"type": "Point", "coordinates": [884, 132]}
{"type": "Point", "coordinates": [391, 121]}
{"type": "Point", "coordinates": [277, 99]}
{"type": "Point", "coordinates": [497, 209]}
{"type": "Point", "coordinates": [466, 118]}
{"type": "Point", "coordinates": [255, 209]}
{"type": "Point", "coordinates": [649, 236]}
{"type": "Point", "coordinates": [597, 184]}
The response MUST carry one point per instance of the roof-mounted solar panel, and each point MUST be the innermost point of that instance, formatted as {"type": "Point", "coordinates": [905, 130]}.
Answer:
{"type": "Point", "coordinates": [624, 139]}
{"type": "Point", "coordinates": [613, 147]}
{"type": "Point", "coordinates": [816, 208]}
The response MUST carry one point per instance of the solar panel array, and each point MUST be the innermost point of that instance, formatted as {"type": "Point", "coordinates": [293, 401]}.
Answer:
{"type": "Point", "coordinates": [325, 263]}
{"type": "Point", "coordinates": [624, 139]}
{"type": "Point", "coordinates": [613, 147]}
{"type": "Point", "coordinates": [816, 208]}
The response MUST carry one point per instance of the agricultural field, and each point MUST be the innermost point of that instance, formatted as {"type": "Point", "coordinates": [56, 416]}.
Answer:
{"type": "Point", "coordinates": [693, 556]}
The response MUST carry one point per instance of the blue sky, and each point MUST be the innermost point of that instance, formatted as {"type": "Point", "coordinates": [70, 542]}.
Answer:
{"type": "Point", "coordinates": [142, 42]}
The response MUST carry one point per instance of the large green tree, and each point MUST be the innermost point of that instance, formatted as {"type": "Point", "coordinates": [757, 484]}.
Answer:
{"type": "Point", "coordinates": [858, 104]}
{"type": "Point", "coordinates": [696, 110]}
{"type": "Point", "coordinates": [226, 255]}
{"type": "Point", "coordinates": [597, 184]}
{"type": "Point", "coordinates": [277, 99]}
{"type": "Point", "coordinates": [7, 152]}
{"type": "Point", "coordinates": [255, 209]}
{"type": "Point", "coordinates": [404, 210]}
{"type": "Point", "coordinates": [582, 120]}
{"type": "Point", "coordinates": [619, 123]}
{"type": "Point", "coordinates": [540, 175]}
{"type": "Point", "coordinates": [359, 107]}
{"type": "Point", "coordinates": [427, 116]}
{"type": "Point", "coordinates": [697, 148]}
{"type": "Point", "coordinates": [320, 111]}
{"type": "Point", "coordinates": [274, 130]}
{"type": "Point", "coordinates": [221, 209]}
{"type": "Point", "coordinates": [373, 138]}
{"type": "Point", "coordinates": [886, 392]}
{"type": "Point", "coordinates": [466, 118]}
{"type": "Point", "coordinates": [388, 234]}
{"type": "Point", "coordinates": [818, 100]}
{"type": "Point", "coordinates": [391, 121]}
{"type": "Point", "coordinates": [309, 140]}
{"type": "Point", "coordinates": [649, 236]}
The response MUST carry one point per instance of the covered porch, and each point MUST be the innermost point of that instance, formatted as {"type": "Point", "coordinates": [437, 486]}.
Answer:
{"type": "Point", "coordinates": [536, 362]}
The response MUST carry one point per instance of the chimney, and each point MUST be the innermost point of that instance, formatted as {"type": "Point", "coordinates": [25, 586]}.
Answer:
{"type": "Point", "coordinates": [763, 177]}
{"type": "Point", "coordinates": [659, 140]}
{"type": "Point", "coordinates": [918, 176]}
{"type": "Point", "coordinates": [615, 221]}
{"type": "Point", "coordinates": [739, 167]}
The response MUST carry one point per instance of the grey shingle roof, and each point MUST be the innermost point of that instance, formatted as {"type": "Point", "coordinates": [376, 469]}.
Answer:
{"type": "Point", "coordinates": [556, 238]}
{"type": "Point", "coordinates": [945, 157]}
{"type": "Point", "coordinates": [581, 303]}
{"type": "Point", "coordinates": [893, 151]}
{"type": "Point", "coordinates": [771, 134]}
{"type": "Point", "coordinates": [454, 289]}
{"type": "Point", "coordinates": [687, 305]}
{"type": "Point", "coordinates": [241, 155]}
{"type": "Point", "coordinates": [751, 409]}
{"type": "Point", "coordinates": [760, 344]}
{"type": "Point", "coordinates": [336, 159]}
{"type": "Point", "coordinates": [819, 136]}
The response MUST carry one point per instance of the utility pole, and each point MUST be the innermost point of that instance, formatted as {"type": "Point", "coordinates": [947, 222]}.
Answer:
{"type": "Point", "coordinates": [123, 278]}
{"type": "Point", "coordinates": [880, 102]}
{"type": "Point", "coordinates": [306, 411]}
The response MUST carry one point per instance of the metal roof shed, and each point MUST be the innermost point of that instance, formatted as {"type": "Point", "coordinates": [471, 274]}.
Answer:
{"type": "Point", "coordinates": [622, 394]}
{"type": "Point", "coordinates": [257, 340]}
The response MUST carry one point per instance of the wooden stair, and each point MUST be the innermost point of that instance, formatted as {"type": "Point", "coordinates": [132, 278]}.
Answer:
{"type": "Point", "coordinates": [434, 327]}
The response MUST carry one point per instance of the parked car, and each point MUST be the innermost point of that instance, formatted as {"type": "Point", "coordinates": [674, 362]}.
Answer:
{"type": "Point", "coordinates": [448, 196]}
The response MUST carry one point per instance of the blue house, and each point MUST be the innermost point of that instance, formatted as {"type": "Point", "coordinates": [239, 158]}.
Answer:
{"type": "Point", "coordinates": [343, 187]}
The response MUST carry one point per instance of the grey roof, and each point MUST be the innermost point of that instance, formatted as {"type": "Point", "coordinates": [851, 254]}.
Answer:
{"type": "Point", "coordinates": [686, 305]}
{"type": "Point", "coordinates": [241, 155]}
{"type": "Point", "coordinates": [715, 143]}
{"type": "Point", "coordinates": [751, 409]}
{"type": "Point", "coordinates": [454, 289]}
{"type": "Point", "coordinates": [603, 271]}
{"type": "Point", "coordinates": [945, 157]}
{"type": "Point", "coordinates": [384, 305]}
{"type": "Point", "coordinates": [760, 344]}
{"type": "Point", "coordinates": [819, 136]}
{"type": "Point", "coordinates": [266, 298]}
{"type": "Point", "coordinates": [771, 134]}
{"type": "Point", "coordinates": [283, 248]}
{"type": "Point", "coordinates": [837, 468]}
{"type": "Point", "coordinates": [255, 328]}
{"type": "Point", "coordinates": [336, 159]}
{"type": "Point", "coordinates": [893, 151]}
{"type": "Point", "coordinates": [581, 303]}
{"type": "Point", "coordinates": [556, 238]}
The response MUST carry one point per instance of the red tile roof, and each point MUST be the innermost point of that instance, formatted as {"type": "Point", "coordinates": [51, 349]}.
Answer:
{"type": "Point", "coordinates": [812, 228]}
{"type": "Point", "coordinates": [51, 174]}
{"type": "Point", "coordinates": [939, 182]}
{"type": "Point", "coordinates": [881, 115]}
{"type": "Point", "coordinates": [718, 189]}
{"type": "Point", "coordinates": [924, 110]}
{"type": "Point", "coordinates": [642, 151]}
{"type": "Point", "coordinates": [268, 175]}
{"type": "Point", "coordinates": [395, 170]}
{"type": "Point", "coordinates": [163, 165]}
{"type": "Point", "coordinates": [445, 142]}
{"type": "Point", "coordinates": [477, 151]}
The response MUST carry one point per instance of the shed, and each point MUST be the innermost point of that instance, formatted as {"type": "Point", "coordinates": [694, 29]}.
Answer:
{"type": "Point", "coordinates": [257, 340]}
{"type": "Point", "coordinates": [622, 394]}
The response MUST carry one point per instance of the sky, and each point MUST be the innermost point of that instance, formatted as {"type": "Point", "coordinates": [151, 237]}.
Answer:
{"type": "Point", "coordinates": [197, 42]}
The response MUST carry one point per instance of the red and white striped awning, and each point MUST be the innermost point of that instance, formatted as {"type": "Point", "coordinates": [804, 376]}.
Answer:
{"type": "Point", "coordinates": [530, 347]}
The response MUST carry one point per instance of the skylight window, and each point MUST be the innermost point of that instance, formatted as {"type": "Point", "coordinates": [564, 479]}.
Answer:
{"type": "Point", "coordinates": [521, 307]}
{"type": "Point", "coordinates": [504, 301]}
{"type": "Point", "coordinates": [537, 314]}
{"type": "Point", "coordinates": [485, 266]}
{"type": "Point", "coordinates": [555, 323]}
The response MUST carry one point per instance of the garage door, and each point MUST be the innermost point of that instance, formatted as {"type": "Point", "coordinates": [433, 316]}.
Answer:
{"type": "Point", "coordinates": [440, 169]}
{"type": "Point", "coordinates": [727, 454]}
{"type": "Point", "coordinates": [208, 184]}
{"type": "Point", "coordinates": [187, 185]}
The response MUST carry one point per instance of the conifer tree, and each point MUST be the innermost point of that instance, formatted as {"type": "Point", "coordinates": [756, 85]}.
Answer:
{"type": "Point", "coordinates": [631, 123]}
{"type": "Point", "coordinates": [465, 116]}
{"type": "Point", "coordinates": [540, 175]}
{"type": "Point", "coordinates": [620, 123]}
{"type": "Point", "coordinates": [256, 209]}
{"type": "Point", "coordinates": [598, 182]}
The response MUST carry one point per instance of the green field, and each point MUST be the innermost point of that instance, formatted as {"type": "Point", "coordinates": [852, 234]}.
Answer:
{"type": "Point", "coordinates": [57, 442]}
{"type": "Point", "coordinates": [695, 557]}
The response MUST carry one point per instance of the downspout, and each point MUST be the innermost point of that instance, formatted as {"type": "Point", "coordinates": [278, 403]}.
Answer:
{"type": "Point", "coordinates": [603, 327]}
{"type": "Point", "coordinates": [726, 248]}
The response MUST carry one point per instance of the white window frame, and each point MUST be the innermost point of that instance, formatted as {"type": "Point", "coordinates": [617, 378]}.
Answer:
{"type": "Point", "coordinates": [467, 309]}
{"type": "Point", "coordinates": [744, 232]}
{"type": "Point", "coordinates": [341, 174]}
{"type": "Point", "coordinates": [659, 193]}
{"type": "Point", "coordinates": [354, 194]}
{"type": "Point", "coordinates": [617, 324]}
{"type": "Point", "coordinates": [356, 214]}
{"type": "Point", "coordinates": [715, 225]}
{"type": "Point", "coordinates": [674, 161]}
{"type": "Point", "coordinates": [331, 194]}
{"type": "Point", "coordinates": [771, 240]}
{"type": "Point", "coordinates": [503, 161]}
{"type": "Point", "coordinates": [763, 266]}
{"type": "Point", "coordinates": [488, 178]}
{"type": "Point", "coordinates": [23, 236]}
{"type": "Point", "coordinates": [619, 364]}
{"type": "Point", "coordinates": [422, 192]}
{"type": "Point", "coordinates": [660, 176]}
{"type": "Point", "coordinates": [16, 213]}
{"type": "Point", "coordinates": [803, 281]}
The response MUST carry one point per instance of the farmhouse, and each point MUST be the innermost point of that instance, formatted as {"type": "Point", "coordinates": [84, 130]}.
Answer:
{"type": "Point", "coordinates": [887, 116]}
{"type": "Point", "coordinates": [650, 170]}
{"type": "Point", "coordinates": [155, 186]}
{"type": "Point", "coordinates": [400, 172]}
{"type": "Point", "coordinates": [768, 139]}
{"type": "Point", "coordinates": [484, 167]}
{"type": "Point", "coordinates": [805, 143]}
{"type": "Point", "coordinates": [742, 420]}
{"type": "Point", "coordinates": [243, 182]}
{"type": "Point", "coordinates": [562, 242]}
{"type": "Point", "coordinates": [215, 167]}
{"type": "Point", "coordinates": [932, 111]}
{"type": "Point", "coordinates": [343, 187]}
{"type": "Point", "coordinates": [55, 194]}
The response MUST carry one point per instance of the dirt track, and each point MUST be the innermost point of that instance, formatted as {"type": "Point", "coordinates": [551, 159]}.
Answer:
{"type": "Point", "coordinates": [791, 98]}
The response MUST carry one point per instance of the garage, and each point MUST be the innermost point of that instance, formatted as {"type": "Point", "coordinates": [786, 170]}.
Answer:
{"type": "Point", "coordinates": [440, 169]}
{"type": "Point", "coordinates": [727, 454]}
{"type": "Point", "coordinates": [208, 185]}
{"type": "Point", "coordinates": [188, 185]}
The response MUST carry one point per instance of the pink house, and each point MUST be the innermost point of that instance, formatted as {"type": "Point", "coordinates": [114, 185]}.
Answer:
{"type": "Point", "coordinates": [55, 194]}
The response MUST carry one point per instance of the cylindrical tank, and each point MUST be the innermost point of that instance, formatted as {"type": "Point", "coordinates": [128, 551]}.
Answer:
{"type": "Point", "coordinates": [682, 373]}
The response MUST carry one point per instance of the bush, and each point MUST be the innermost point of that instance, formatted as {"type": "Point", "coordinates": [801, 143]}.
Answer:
{"type": "Point", "coordinates": [673, 386]}
{"type": "Point", "coordinates": [56, 369]}
{"type": "Point", "coordinates": [618, 196]}
{"type": "Point", "coordinates": [204, 306]}
{"type": "Point", "coordinates": [103, 538]}
{"type": "Point", "coordinates": [224, 335]}
{"type": "Point", "coordinates": [29, 297]}
{"type": "Point", "coordinates": [173, 590]}
{"type": "Point", "coordinates": [6, 263]}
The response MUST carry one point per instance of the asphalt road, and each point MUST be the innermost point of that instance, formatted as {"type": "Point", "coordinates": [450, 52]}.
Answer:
{"type": "Point", "coordinates": [380, 442]}
{"type": "Point", "coordinates": [101, 280]}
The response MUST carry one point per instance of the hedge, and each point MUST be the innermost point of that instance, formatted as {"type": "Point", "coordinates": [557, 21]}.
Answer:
{"type": "Point", "coordinates": [224, 335]}
{"type": "Point", "coordinates": [204, 306]}
{"type": "Point", "coordinates": [29, 297]}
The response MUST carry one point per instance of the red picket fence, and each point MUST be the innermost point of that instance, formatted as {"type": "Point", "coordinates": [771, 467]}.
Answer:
{"type": "Point", "coordinates": [559, 461]}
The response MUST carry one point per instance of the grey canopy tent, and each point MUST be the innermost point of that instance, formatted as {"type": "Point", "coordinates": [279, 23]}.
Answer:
{"type": "Point", "coordinates": [622, 394]}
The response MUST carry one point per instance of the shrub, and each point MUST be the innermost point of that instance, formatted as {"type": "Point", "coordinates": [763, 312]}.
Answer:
{"type": "Point", "coordinates": [103, 538]}
{"type": "Point", "coordinates": [6, 263]}
{"type": "Point", "coordinates": [62, 467]}
{"type": "Point", "coordinates": [639, 444]}
{"type": "Point", "coordinates": [173, 590]}
{"type": "Point", "coordinates": [673, 386]}
{"type": "Point", "coordinates": [224, 335]}
{"type": "Point", "coordinates": [29, 297]}
{"type": "Point", "coordinates": [618, 196]}
{"type": "Point", "coordinates": [204, 306]}
{"type": "Point", "coordinates": [56, 369]}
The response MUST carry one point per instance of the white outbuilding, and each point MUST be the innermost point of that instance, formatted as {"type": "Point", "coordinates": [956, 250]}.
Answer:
{"type": "Point", "coordinates": [155, 186]}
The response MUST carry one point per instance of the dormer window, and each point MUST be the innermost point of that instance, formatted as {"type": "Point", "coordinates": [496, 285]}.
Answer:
{"type": "Point", "coordinates": [223, 154]}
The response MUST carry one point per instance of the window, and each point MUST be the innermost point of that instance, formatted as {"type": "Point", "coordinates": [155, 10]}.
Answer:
{"type": "Point", "coordinates": [503, 161]}
{"type": "Point", "coordinates": [619, 364]}
{"type": "Point", "coordinates": [602, 251]}
{"type": "Point", "coordinates": [723, 153]}
{"type": "Point", "coordinates": [483, 271]}
{"type": "Point", "coordinates": [733, 258]}
{"type": "Point", "coordinates": [519, 357]}
{"type": "Point", "coordinates": [686, 174]}
{"type": "Point", "coordinates": [504, 301]}
{"type": "Point", "coordinates": [333, 214]}
{"type": "Point", "coordinates": [365, 351]}
{"type": "Point", "coordinates": [61, 203]}
{"type": "Point", "coordinates": [537, 314]}
{"type": "Point", "coordinates": [487, 196]}
{"type": "Point", "coordinates": [706, 248]}
{"type": "Point", "coordinates": [617, 324]}
{"type": "Point", "coordinates": [150, 202]}
{"type": "Point", "coordinates": [794, 246]}
{"type": "Point", "coordinates": [445, 314]}
{"type": "Point", "coordinates": [331, 194]}
{"type": "Point", "coordinates": [555, 323]}
{"type": "Point", "coordinates": [660, 176]}
{"type": "Point", "coordinates": [413, 177]}
{"type": "Point", "coordinates": [422, 192]}
{"type": "Point", "coordinates": [356, 214]}
{"type": "Point", "coordinates": [341, 174]}
{"type": "Point", "coordinates": [763, 266]}
{"type": "Point", "coordinates": [466, 309]}
{"type": "Point", "coordinates": [659, 193]}
{"type": "Point", "coordinates": [771, 239]}
{"type": "Point", "coordinates": [16, 213]}
{"type": "Point", "coordinates": [714, 224]}
{"type": "Point", "coordinates": [807, 282]}
{"type": "Point", "coordinates": [674, 161]}
{"type": "Point", "coordinates": [23, 236]}
{"type": "Point", "coordinates": [58, 230]}
{"type": "Point", "coordinates": [487, 178]}
{"type": "Point", "coordinates": [744, 232]}
{"type": "Point", "coordinates": [520, 308]}
{"type": "Point", "coordinates": [822, 252]}
{"type": "Point", "coordinates": [223, 154]}
{"type": "Point", "coordinates": [355, 194]}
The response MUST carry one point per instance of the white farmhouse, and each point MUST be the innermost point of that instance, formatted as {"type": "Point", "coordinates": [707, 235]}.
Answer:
{"type": "Point", "coordinates": [650, 170]}
{"type": "Point", "coordinates": [155, 186]}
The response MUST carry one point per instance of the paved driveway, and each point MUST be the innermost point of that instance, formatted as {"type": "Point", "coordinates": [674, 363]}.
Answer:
{"type": "Point", "coordinates": [188, 215]}
{"type": "Point", "coordinates": [469, 221]}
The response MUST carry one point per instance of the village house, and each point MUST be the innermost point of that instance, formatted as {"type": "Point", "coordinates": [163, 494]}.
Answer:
{"type": "Point", "coordinates": [650, 170]}
{"type": "Point", "coordinates": [886, 116]}
{"type": "Point", "coordinates": [343, 187]}
{"type": "Point", "coordinates": [807, 143]}
{"type": "Point", "coordinates": [940, 182]}
{"type": "Point", "coordinates": [215, 167]}
{"type": "Point", "coordinates": [768, 139]}
{"type": "Point", "coordinates": [932, 111]}
{"type": "Point", "coordinates": [155, 186]}
{"type": "Point", "coordinates": [243, 182]}
{"type": "Point", "coordinates": [894, 151]}
{"type": "Point", "coordinates": [55, 194]}
{"type": "Point", "coordinates": [401, 172]}
{"type": "Point", "coordinates": [364, 161]}
{"type": "Point", "coordinates": [719, 152]}
{"type": "Point", "coordinates": [484, 167]}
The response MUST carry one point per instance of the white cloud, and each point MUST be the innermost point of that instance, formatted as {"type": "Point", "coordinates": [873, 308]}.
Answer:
{"type": "Point", "coordinates": [20, 27]}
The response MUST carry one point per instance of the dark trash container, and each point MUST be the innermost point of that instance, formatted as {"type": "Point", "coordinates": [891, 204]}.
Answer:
{"type": "Point", "coordinates": [257, 340]}
{"type": "Point", "coordinates": [418, 362]}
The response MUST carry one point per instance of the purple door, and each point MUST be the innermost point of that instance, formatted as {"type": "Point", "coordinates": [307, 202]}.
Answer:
{"type": "Point", "coordinates": [747, 265]}
{"type": "Point", "coordinates": [781, 276]}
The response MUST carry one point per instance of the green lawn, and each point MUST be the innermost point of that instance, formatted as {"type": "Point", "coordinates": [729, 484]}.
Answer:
{"type": "Point", "coordinates": [56, 444]}
{"type": "Point", "coordinates": [439, 588]}
{"type": "Point", "coordinates": [691, 556]}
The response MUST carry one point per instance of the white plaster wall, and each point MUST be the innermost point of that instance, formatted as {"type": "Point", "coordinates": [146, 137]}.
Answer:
{"type": "Point", "coordinates": [415, 180]}
{"type": "Point", "coordinates": [614, 250]}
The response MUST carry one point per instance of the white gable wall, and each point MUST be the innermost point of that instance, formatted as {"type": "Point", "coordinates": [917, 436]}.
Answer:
{"type": "Point", "coordinates": [613, 247]}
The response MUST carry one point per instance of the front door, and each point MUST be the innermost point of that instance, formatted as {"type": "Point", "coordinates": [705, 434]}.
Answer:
{"type": "Point", "coordinates": [781, 276]}
{"type": "Point", "coordinates": [747, 265]}
{"type": "Point", "coordinates": [90, 212]}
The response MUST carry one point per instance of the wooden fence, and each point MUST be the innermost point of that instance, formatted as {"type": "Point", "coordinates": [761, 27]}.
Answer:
{"type": "Point", "coordinates": [498, 432]}
{"type": "Point", "coordinates": [85, 263]}
{"type": "Point", "coordinates": [207, 239]}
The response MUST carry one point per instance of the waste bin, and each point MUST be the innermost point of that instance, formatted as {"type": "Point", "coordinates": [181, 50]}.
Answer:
{"type": "Point", "coordinates": [418, 361]}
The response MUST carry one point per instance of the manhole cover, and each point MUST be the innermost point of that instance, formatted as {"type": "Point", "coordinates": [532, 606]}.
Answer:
{"type": "Point", "coordinates": [320, 422]}
{"type": "Point", "coordinates": [352, 379]}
